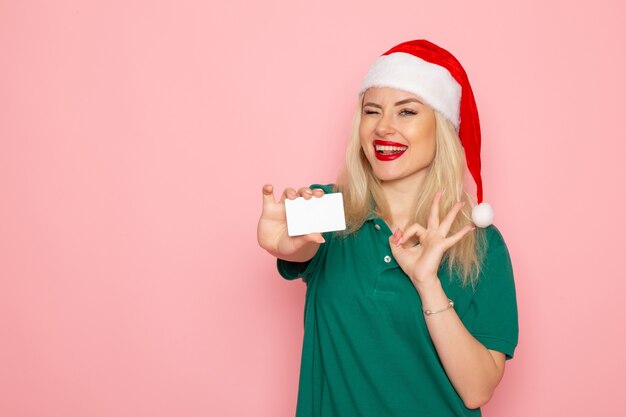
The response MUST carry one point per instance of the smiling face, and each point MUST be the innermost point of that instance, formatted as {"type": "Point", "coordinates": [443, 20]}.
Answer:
{"type": "Point", "coordinates": [397, 134]}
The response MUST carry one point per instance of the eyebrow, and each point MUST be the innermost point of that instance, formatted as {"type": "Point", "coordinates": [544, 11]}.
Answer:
{"type": "Point", "coordinates": [399, 103]}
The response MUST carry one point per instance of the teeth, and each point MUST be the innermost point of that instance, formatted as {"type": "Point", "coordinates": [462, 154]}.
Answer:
{"type": "Point", "coordinates": [391, 148]}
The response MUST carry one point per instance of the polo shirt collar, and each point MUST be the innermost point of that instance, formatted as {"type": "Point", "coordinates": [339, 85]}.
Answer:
{"type": "Point", "coordinates": [372, 214]}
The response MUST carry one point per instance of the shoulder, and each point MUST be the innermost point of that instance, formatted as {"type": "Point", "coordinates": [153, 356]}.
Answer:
{"type": "Point", "coordinates": [494, 238]}
{"type": "Point", "coordinates": [496, 254]}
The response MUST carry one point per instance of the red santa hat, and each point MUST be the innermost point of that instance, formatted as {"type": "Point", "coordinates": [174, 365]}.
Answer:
{"type": "Point", "coordinates": [434, 74]}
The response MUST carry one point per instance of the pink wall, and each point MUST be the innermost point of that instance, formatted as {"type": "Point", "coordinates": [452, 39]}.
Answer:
{"type": "Point", "coordinates": [135, 137]}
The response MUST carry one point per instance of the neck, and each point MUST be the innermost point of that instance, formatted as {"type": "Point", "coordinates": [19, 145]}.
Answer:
{"type": "Point", "coordinates": [401, 196]}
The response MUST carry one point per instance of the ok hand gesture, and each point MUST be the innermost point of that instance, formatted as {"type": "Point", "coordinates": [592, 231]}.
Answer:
{"type": "Point", "coordinates": [421, 262]}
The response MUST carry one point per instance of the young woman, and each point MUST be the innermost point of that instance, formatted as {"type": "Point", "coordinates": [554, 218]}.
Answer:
{"type": "Point", "coordinates": [418, 322]}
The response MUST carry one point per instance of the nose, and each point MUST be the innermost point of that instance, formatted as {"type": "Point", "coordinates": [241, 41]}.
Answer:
{"type": "Point", "coordinates": [385, 126]}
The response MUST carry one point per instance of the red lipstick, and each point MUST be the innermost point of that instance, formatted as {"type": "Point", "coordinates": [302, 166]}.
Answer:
{"type": "Point", "coordinates": [390, 156]}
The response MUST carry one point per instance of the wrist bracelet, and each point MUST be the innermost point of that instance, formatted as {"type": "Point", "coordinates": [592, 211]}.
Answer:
{"type": "Point", "coordinates": [450, 305]}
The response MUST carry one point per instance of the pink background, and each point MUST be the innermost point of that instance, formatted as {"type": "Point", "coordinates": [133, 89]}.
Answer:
{"type": "Point", "coordinates": [135, 137]}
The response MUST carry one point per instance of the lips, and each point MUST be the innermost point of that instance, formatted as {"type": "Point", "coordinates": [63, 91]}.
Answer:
{"type": "Point", "coordinates": [394, 150]}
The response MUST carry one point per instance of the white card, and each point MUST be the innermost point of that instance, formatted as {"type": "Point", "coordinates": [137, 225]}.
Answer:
{"type": "Point", "coordinates": [318, 214]}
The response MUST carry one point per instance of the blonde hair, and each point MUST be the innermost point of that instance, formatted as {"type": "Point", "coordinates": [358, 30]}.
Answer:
{"type": "Point", "coordinates": [359, 186]}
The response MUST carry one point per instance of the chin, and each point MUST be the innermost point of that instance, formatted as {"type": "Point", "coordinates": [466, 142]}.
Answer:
{"type": "Point", "coordinates": [386, 176]}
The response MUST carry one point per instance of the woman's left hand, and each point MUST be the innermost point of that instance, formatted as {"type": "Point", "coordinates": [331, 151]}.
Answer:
{"type": "Point", "coordinates": [421, 262]}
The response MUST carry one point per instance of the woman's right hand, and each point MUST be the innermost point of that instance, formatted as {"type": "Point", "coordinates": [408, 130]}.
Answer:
{"type": "Point", "coordinates": [272, 228]}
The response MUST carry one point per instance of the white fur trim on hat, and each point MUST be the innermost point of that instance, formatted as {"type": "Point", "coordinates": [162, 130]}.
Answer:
{"type": "Point", "coordinates": [431, 82]}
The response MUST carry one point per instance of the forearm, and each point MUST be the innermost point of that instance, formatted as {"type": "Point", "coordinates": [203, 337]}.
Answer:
{"type": "Point", "coordinates": [305, 253]}
{"type": "Point", "coordinates": [469, 365]}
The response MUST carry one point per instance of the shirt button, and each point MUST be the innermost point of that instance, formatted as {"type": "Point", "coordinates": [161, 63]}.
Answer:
{"type": "Point", "coordinates": [387, 259]}
{"type": "Point", "coordinates": [377, 226]}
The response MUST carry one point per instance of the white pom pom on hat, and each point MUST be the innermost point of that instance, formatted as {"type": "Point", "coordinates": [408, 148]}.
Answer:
{"type": "Point", "coordinates": [429, 71]}
{"type": "Point", "coordinates": [482, 215]}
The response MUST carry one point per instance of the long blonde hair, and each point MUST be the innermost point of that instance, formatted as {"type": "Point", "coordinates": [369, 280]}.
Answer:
{"type": "Point", "coordinates": [359, 186]}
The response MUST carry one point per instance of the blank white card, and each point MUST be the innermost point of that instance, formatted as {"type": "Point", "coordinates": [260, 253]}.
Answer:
{"type": "Point", "coordinates": [318, 214]}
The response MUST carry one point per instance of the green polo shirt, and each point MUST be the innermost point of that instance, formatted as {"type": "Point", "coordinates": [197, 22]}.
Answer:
{"type": "Point", "coordinates": [367, 351]}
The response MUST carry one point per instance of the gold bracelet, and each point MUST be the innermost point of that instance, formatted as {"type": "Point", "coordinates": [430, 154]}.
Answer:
{"type": "Point", "coordinates": [450, 305]}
